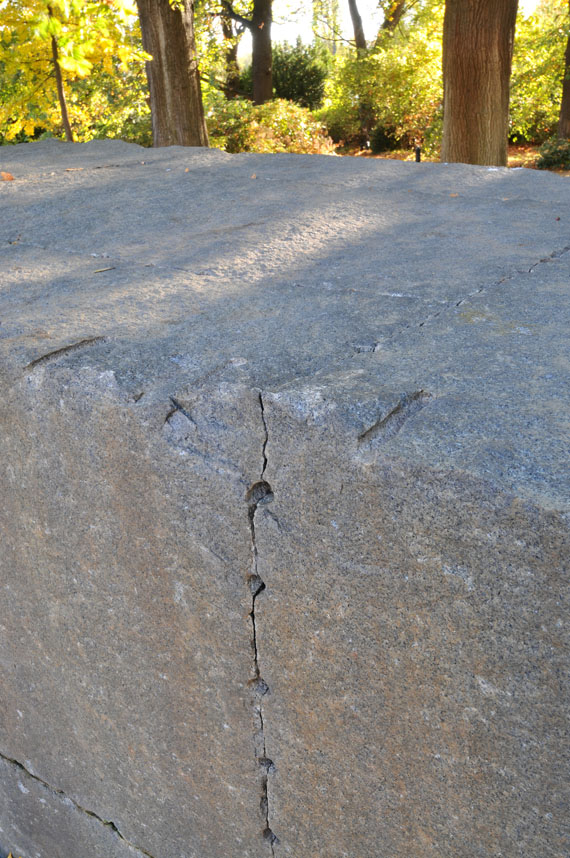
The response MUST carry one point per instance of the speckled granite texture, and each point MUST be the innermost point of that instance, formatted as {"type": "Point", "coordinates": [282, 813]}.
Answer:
{"type": "Point", "coordinates": [284, 506]}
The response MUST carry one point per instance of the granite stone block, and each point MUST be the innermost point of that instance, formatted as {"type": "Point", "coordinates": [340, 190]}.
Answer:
{"type": "Point", "coordinates": [284, 506]}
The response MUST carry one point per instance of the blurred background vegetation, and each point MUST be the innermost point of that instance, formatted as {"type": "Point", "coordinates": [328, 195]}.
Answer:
{"type": "Point", "coordinates": [328, 95]}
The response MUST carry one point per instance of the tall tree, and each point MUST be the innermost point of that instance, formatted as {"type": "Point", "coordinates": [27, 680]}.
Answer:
{"type": "Point", "coordinates": [259, 26]}
{"type": "Point", "coordinates": [478, 38]}
{"type": "Point", "coordinates": [174, 81]}
{"type": "Point", "coordinates": [564, 119]}
{"type": "Point", "coordinates": [59, 80]}
{"type": "Point", "coordinates": [231, 42]}
{"type": "Point", "coordinates": [359, 39]}
{"type": "Point", "coordinates": [67, 64]}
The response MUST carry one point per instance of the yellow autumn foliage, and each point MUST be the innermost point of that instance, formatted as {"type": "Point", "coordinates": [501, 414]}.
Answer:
{"type": "Point", "coordinates": [99, 50]}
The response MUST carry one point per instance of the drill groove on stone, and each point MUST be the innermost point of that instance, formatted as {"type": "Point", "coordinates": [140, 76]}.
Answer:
{"type": "Point", "coordinates": [260, 493]}
{"type": "Point", "coordinates": [388, 426]}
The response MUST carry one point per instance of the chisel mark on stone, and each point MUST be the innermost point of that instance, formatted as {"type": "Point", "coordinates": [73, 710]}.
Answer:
{"type": "Point", "coordinates": [258, 493]}
{"type": "Point", "coordinates": [391, 424]}
{"type": "Point", "coordinates": [177, 406]}
{"type": "Point", "coordinates": [64, 350]}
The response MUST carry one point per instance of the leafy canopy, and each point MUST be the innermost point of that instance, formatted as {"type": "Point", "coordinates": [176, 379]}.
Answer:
{"type": "Point", "coordinates": [96, 39]}
{"type": "Point", "coordinates": [396, 85]}
{"type": "Point", "coordinates": [538, 69]}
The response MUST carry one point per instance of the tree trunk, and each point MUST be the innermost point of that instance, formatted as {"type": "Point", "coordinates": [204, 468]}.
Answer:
{"type": "Point", "coordinates": [261, 58]}
{"type": "Point", "coordinates": [173, 76]}
{"type": "Point", "coordinates": [230, 56]}
{"type": "Point", "coordinates": [59, 84]}
{"type": "Point", "coordinates": [478, 40]}
{"type": "Point", "coordinates": [564, 119]}
{"type": "Point", "coordinates": [359, 39]}
{"type": "Point", "coordinates": [393, 15]}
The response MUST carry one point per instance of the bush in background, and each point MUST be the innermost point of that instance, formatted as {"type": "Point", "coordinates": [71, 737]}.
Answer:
{"type": "Point", "coordinates": [395, 88]}
{"type": "Point", "coordinates": [538, 69]}
{"type": "Point", "coordinates": [299, 74]}
{"type": "Point", "coordinates": [239, 125]}
{"type": "Point", "coordinates": [554, 153]}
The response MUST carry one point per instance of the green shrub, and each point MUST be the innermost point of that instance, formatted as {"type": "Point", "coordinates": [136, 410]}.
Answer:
{"type": "Point", "coordinates": [277, 126]}
{"type": "Point", "coordinates": [118, 105]}
{"type": "Point", "coordinates": [383, 139]}
{"type": "Point", "coordinates": [554, 153]}
{"type": "Point", "coordinates": [299, 74]}
{"type": "Point", "coordinates": [395, 86]}
{"type": "Point", "coordinates": [538, 68]}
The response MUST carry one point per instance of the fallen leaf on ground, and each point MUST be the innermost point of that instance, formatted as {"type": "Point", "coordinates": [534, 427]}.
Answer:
{"type": "Point", "coordinates": [7, 177]}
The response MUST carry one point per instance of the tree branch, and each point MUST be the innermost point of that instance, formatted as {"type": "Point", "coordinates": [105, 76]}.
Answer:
{"type": "Point", "coordinates": [224, 87]}
{"type": "Point", "coordinates": [229, 10]}
{"type": "Point", "coordinates": [337, 37]}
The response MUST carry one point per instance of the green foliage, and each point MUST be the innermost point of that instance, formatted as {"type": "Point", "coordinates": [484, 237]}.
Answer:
{"type": "Point", "coordinates": [538, 68]}
{"type": "Point", "coordinates": [383, 139]}
{"type": "Point", "coordinates": [299, 74]}
{"type": "Point", "coordinates": [554, 153]}
{"type": "Point", "coordinates": [276, 126]}
{"type": "Point", "coordinates": [396, 86]}
{"type": "Point", "coordinates": [389, 95]}
{"type": "Point", "coordinates": [117, 105]}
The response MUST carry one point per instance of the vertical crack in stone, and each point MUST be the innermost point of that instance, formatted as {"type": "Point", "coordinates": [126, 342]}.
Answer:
{"type": "Point", "coordinates": [266, 439]}
{"type": "Point", "coordinates": [259, 493]}
{"type": "Point", "coordinates": [70, 801]}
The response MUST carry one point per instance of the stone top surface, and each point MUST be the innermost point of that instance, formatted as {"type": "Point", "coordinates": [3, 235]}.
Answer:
{"type": "Point", "coordinates": [370, 296]}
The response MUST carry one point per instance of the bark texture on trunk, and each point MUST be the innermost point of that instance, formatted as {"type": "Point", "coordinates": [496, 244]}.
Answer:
{"type": "Point", "coordinates": [173, 76]}
{"type": "Point", "coordinates": [261, 56]}
{"type": "Point", "coordinates": [59, 85]}
{"type": "Point", "coordinates": [564, 118]}
{"type": "Point", "coordinates": [478, 40]}
{"type": "Point", "coordinates": [259, 26]}
{"type": "Point", "coordinates": [230, 56]}
{"type": "Point", "coordinates": [359, 39]}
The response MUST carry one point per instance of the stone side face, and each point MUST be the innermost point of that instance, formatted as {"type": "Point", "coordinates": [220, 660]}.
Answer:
{"type": "Point", "coordinates": [283, 507]}
{"type": "Point", "coordinates": [414, 639]}
{"type": "Point", "coordinates": [38, 821]}
{"type": "Point", "coordinates": [127, 636]}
